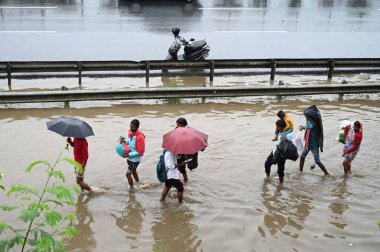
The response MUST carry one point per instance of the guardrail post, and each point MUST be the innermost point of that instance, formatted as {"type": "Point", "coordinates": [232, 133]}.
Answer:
{"type": "Point", "coordinates": [80, 73]}
{"type": "Point", "coordinates": [212, 67]}
{"type": "Point", "coordinates": [273, 69]}
{"type": "Point", "coordinates": [9, 75]}
{"type": "Point", "coordinates": [331, 69]}
{"type": "Point", "coordinates": [147, 68]}
{"type": "Point", "coordinates": [204, 85]}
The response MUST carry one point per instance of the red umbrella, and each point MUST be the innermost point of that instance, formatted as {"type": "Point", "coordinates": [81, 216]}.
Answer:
{"type": "Point", "coordinates": [184, 140]}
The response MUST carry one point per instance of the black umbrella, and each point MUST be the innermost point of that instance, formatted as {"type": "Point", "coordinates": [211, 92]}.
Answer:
{"type": "Point", "coordinates": [70, 127]}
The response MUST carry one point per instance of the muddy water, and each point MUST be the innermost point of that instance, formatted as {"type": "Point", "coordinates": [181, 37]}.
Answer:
{"type": "Point", "coordinates": [228, 205]}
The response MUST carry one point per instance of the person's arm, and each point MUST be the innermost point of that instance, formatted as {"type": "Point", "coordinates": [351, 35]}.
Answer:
{"type": "Point", "coordinates": [290, 124]}
{"type": "Point", "coordinates": [183, 163]}
{"type": "Point", "coordinates": [358, 140]}
{"type": "Point", "coordinates": [69, 141]}
{"type": "Point", "coordinates": [133, 154]}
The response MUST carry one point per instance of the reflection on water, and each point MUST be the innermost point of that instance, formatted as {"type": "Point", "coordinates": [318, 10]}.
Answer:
{"type": "Point", "coordinates": [130, 218]}
{"type": "Point", "coordinates": [228, 3]}
{"type": "Point", "coordinates": [258, 3]}
{"type": "Point", "coordinates": [173, 231]}
{"type": "Point", "coordinates": [151, 8]}
{"type": "Point", "coordinates": [358, 3]}
{"type": "Point", "coordinates": [85, 241]}
{"type": "Point", "coordinates": [340, 205]}
{"type": "Point", "coordinates": [294, 3]}
{"type": "Point", "coordinates": [134, 15]}
{"type": "Point", "coordinates": [287, 211]}
{"type": "Point", "coordinates": [184, 81]}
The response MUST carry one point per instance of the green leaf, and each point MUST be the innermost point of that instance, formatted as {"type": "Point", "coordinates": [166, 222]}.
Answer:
{"type": "Point", "coordinates": [10, 243]}
{"type": "Point", "coordinates": [25, 198]}
{"type": "Point", "coordinates": [1, 176]}
{"type": "Point", "coordinates": [3, 226]}
{"type": "Point", "coordinates": [43, 245]}
{"type": "Point", "coordinates": [53, 201]}
{"type": "Point", "coordinates": [378, 224]}
{"type": "Point", "coordinates": [59, 175]}
{"type": "Point", "coordinates": [58, 247]}
{"type": "Point", "coordinates": [76, 189]}
{"type": "Point", "coordinates": [22, 189]}
{"type": "Point", "coordinates": [74, 163]}
{"type": "Point", "coordinates": [27, 215]}
{"type": "Point", "coordinates": [8, 208]}
{"type": "Point", "coordinates": [3, 245]}
{"type": "Point", "coordinates": [70, 217]}
{"type": "Point", "coordinates": [61, 192]}
{"type": "Point", "coordinates": [69, 231]}
{"type": "Point", "coordinates": [41, 207]}
{"type": "Point", "coordinates": [2, 187]}
{"type": "Point", "coordinates": [70, 203]}
{"type": "Point", "coordinates": [53, 218]}
{"type": "Point", "coordinates": [30, 167]}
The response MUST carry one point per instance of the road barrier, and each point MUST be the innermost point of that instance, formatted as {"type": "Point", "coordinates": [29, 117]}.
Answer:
{"type": "Point", "coordinates": [19, 67]}
{"type": "Point", "coordinates": [165, 93]}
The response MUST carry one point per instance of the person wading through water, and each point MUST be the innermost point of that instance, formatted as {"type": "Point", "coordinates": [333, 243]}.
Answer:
{"type": "Point", "coordinates": [136, 143]}
{"type": "Point", "coordinates": [313, 137]}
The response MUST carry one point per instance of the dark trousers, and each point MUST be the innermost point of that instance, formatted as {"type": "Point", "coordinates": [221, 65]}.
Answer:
{"type": "Point", "coordinates": [280, 165]}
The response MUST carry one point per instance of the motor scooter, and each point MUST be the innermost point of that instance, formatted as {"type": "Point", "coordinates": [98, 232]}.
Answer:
{"type": "Point", "coordinates": [193, 50]}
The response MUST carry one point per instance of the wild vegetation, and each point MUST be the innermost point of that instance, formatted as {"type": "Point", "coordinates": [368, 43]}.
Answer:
{"type": "Point", "coordinates": [41, 224]}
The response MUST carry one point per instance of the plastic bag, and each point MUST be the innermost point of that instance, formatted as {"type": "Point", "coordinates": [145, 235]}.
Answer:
{"type": "Point", "coordinates": [298, 141]}
{"type": "Point", "coordinates": [341, 138]}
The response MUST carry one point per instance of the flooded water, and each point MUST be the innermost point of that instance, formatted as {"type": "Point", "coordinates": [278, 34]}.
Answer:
{"type": "Point", "coordinates": [228, 205]}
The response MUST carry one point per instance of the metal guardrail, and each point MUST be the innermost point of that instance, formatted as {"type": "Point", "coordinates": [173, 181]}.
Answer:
{"type": "Point", "coordinates": [164, 93]}
{"type": "Point", "coordinates": [95, 66]}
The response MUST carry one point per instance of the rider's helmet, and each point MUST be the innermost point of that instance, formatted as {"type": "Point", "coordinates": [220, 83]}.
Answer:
{"type": "Point", "coordinates": [176, 30]}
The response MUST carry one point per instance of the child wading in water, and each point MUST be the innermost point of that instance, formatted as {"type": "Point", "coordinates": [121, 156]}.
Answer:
{"type": "Point", "coordinates": [288, 121]}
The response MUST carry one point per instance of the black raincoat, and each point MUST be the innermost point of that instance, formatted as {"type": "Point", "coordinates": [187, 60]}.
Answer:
{"type": "Point", "coordinates": [313, 114]}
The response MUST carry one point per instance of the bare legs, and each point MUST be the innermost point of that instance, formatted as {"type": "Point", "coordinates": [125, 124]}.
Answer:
{"type": "Point", "coordinates": [130, 179]}
{"type": "Point", "coordinates": [185, 179]}
{"type": "Point", "coordinates": [83, 185]}
{"type": "Point", "coordinates": [302, 162]}
{"type": "Point", "coordinates": [322, 166]}
{"type": "Point", "coordinates": [165, 192]}
{"type": "Point", "coordinates": [346, 167]}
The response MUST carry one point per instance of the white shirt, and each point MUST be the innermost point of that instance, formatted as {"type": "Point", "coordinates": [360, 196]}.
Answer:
{"type": "Point", "coordinates": [170, 162]}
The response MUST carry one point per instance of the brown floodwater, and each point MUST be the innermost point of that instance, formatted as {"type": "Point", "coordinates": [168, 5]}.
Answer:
{"type": "Point", "coordinates": [228, 204]}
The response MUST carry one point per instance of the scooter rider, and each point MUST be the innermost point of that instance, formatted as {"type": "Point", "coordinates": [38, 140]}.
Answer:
{"type": "Point", "coordinates": [177, 43]}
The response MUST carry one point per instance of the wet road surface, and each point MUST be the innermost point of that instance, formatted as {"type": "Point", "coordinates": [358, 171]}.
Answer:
{"type": "Point", "coordinates": [139, 30]}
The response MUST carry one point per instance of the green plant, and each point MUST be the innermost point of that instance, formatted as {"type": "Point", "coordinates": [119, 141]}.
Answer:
{"type": "Point", "coordinates": [173, 84]}
{"type": "Point", "coordinates": [39, 211]}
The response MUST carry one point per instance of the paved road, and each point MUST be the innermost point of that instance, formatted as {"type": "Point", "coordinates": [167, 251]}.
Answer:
{"type": "Point", "coordinates": [139, 30]}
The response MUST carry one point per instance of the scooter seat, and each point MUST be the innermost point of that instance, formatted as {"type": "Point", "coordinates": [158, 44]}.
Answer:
{"type": "Point", "coordinates": [195, 46]}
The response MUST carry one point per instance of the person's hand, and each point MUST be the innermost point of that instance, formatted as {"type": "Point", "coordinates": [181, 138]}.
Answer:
{"type": "Point", "coordinates": [68, 140]}
{"type": "Point", "coordinates": [301, 127]}
{"type": "Point", "coordinates": [344, 154]}
{"type": "Point", "coordinates": [122, 140]}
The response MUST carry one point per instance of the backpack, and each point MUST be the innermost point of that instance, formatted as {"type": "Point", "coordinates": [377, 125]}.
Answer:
{"type": "Point", "coordinates": [161, 168]}
{"type": "Point", "coordinates": [285, 150]}
{"type": "Point", "coordinates": [194, 162]}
